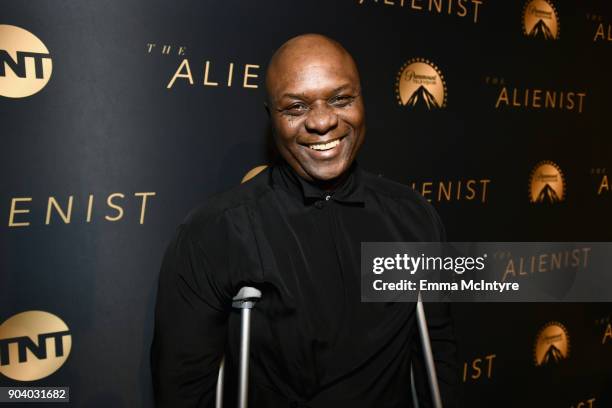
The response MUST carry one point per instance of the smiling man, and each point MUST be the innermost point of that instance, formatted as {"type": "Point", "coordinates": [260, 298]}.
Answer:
{"type": "Point", "coordinates": [294, 231]}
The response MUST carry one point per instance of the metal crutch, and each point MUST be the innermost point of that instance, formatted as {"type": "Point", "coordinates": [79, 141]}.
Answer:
{"type": "Point", "coordinates": [428, 355]}
{"type": "Point", "coordinates": [244, 300]}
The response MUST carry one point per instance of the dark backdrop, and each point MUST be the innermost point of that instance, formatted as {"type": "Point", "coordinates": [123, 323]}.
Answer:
{"type": "Point", "coordinates": [106, 123]}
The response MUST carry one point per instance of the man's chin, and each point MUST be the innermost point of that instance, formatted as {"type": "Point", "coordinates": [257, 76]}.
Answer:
{"type": "Point", "coordinates": [326, 171]}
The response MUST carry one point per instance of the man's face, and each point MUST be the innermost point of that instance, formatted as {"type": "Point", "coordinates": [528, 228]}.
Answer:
{"type": "Point", "coordinates": [317, 113]}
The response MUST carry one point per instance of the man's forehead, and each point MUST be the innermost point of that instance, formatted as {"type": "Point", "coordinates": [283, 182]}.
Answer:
{"type": "Point", "coordinates": [310, 61]}
{"type": "Point", "coordinates": [312, 75]}
{"type": "Point", "coordinates": [313, 79]}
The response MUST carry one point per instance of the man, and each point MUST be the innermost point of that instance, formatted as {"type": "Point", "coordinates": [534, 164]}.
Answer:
{"type": "Point", "coordinates": [294, 231]}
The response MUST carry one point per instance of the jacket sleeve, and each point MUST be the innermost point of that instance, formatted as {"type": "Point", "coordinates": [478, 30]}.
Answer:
{"type": "Point", "coordinates": [191, 314]}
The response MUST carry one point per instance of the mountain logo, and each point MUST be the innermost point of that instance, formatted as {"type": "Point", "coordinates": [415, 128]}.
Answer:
{"type": "Point", "coordinates": [552, 344]}
{"type": "Point", "coordinates": [546, 183]}
{"type": "Point", "coordinates": [540, 20]}
{"type": "Point", "coordinates": [420, 84]}
{"type": "Point", "coordinates": [25, 62]}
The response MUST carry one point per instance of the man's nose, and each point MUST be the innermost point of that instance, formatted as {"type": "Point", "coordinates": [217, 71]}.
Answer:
{"type": "Point", "coordinates": [321, 119]}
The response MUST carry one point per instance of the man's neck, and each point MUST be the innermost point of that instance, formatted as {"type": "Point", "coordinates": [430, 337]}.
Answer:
{"type": "Point", "coordinates": [332, 184]}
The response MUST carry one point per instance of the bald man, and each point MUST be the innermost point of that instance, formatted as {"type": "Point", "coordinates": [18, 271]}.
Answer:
{"type": "Point", "coordinates": [294, 231]}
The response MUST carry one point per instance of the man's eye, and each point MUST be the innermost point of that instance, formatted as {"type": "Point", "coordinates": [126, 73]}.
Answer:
{"type": "Point", "coordinates": [296, 109]}
{"type": "Point", "coordinates": [341, 101]}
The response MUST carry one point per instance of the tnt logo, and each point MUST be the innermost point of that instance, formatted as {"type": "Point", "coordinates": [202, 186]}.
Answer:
{"type": "Point", "coordinates": [25, 62]}
{"type": "Point", "coordinates": [33, 345]}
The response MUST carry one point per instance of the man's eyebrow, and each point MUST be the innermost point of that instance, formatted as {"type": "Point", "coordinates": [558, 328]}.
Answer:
{"type": "Point", "coordinates": [302, 97]}
{"type": "Point", "coordinates": [292, 96]}
{"type": "Point", "coordinates": [341, 88]}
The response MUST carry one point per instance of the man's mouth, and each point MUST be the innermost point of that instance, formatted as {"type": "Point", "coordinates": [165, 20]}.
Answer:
{"type": "Point", "coordinates": [326, 146]}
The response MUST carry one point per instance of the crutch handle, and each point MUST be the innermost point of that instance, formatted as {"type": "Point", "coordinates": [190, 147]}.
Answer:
{"type": "Point", "coordinates": [246, 297]}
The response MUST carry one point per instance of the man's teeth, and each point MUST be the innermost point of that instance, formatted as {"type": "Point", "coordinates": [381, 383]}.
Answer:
{"type": "Point", "coordinates": [326, 146]}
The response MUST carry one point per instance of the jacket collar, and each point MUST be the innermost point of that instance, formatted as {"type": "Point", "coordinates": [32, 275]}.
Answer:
{"type": "Point", "coordinates": [349, 191]}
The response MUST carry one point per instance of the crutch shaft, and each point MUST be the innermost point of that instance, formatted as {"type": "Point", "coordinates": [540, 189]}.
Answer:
{"type": "Point", "coordinates": [244, 358]}
{"type": "Point", "coordinates": [428, 355]}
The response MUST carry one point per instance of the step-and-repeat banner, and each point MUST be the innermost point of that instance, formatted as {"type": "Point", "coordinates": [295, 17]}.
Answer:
{"type": "Point", "coordinates": [118, 117]}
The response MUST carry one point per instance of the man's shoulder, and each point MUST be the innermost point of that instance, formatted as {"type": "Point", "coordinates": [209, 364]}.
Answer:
{"type": "Point", "coordinates": [403, 199]}
{"type": "Point", "coordinates": [235, 198]}
{"type": "Point", "coordinates": [379, 184]}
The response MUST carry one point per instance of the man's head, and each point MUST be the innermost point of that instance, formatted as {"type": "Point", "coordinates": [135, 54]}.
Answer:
{"type": "Point", "coordinates": [316, 108]}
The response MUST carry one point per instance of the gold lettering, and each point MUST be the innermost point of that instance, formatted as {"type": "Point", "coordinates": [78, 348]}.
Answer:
{"type": "Point", "coordinates": [551, 98]}
{"type": "Point", "coordinates": [150, 47]}
{"type": "Point", "coordinates": [458, 190]}
{"type": "Point", "coordinates": [490, 358]}
{"type": "Point", "coordinates": [586, 256]}
{"type": "Point", "coordinates": [462, 7]}
{"type": "Point", "coordinates": [604, 185]}
{"type": "Point", "coordinates": [521, 265]}
{"type": "Point", "coordinates": [89, 207]}
{"type": "Point", "coordinates": [509, 270]}
{"type": "Point", "coordinates": [555, 261]}
{"type": "Point", "coordinates": [536, 98]}
{"type": "Point", "coordinates": [503, 96]}
{"type": "Point", "coordinates": [599, 32]}
{"type": "Point", "coordinates": [484, 183]}
{"type": "Point", "coordinates": [588, 403]}
{"type": "Point", "coordinates": [166, 49]}
{"type": "Point", "coordinates": [580, 95]}
{"type": "Point", "coordinates": [247, 75]}
{"type": "Point", "coordinates": [476, 3]}
{"type": "Point", "coordinates": [543, 261]}
{"type": "Point", "coordinates": [14, 210]}
{"type": "Point", "coordinates": [533, 98]}
{"type": "Point", "coordinates": [230, 74]}
{"type": "Point", "coordinates": [607, 334]}
{"type": "Point", "coordinates": [144, 204]}
{"type": "Point", "coordinates": [182, 50]}
{"type": "Point", "coordinates": [437, 4]}
{"type": "Point", "coordinates": [570, 101]}
{"type": "Point", "coordinates": [110, 203]}
{"type": "Point", "coordinates": [425, 190]}
{"type": "Point", "coordinates": [206, 71]}
{"type": "Point", "coordinates": [64, 215]}
{"type": "Point", "coordinates": [575, 258]}
{"type": "Point", "coordinates": [447, 193]}
{"type": "Point", "coordinates": [514, 101]}
{"type": "Point", "coordinates": [179, 74]}
{"type": "Point", "coordinates": [476, 367]}
{"type": "Point", "coordinates": [470, 187]}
